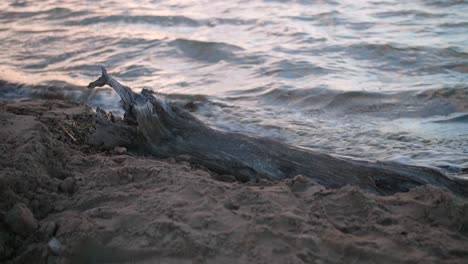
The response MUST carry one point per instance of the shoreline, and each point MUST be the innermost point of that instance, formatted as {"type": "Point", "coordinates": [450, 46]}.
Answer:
{"type": "Point", "coordinates": [109, 205]}
{"type": "Point", "coordinates": [386, 145]}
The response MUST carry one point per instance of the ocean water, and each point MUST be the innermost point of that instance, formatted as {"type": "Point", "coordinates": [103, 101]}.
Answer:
{"type": "Point", "coordinates": [376, 80]}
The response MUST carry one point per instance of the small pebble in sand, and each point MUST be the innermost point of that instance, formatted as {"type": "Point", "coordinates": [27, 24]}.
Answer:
{"type": "Point", "coordinates": [299, 183]}
{"type": "Point", "coordinates": [119, 150]}
{"type": "Point", "coordinates": [55, 246]}
{"type": "Point", "coordinates": [21, 220]}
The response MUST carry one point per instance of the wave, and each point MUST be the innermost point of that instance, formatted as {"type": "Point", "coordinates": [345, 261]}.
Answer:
{"type": "Point", "coordinates": [317, 17]}
{"type": "Point", "coordinates": [135, 19]}
{"type": "Point", "coordinates": [196, 102]}
{"type": "Point", "coordinates": [462, 25]}
{"type": "Point", "coordinates": [408, 60]}
{"type": "Point", "coordinates": [445, 3]}
{"type": "Point", "coordinates": [426, 103]}
{"type": "Point", "coordinates": [136, 42]}
{"type": "Point", "coordinates": [53, 90]}
{"type": "Point", "coordinates": [103, 97]}
{"type": "Point", "coordinates": [406, 13]}
{"type": "Point", "coordinates": [398, 50]}
{"type": "Point", "coordinates": [160, 20]}
{"type": "Point", "coordinates": [458, 119]}
{"type": "Point", "coordinates": [212, 52]}
{"type": "Point", "coordinates": [289, 69]}
{"type": "Point", "coordinates": [204, 50]}
{"type": "Point", "coordinates": [58, 13]}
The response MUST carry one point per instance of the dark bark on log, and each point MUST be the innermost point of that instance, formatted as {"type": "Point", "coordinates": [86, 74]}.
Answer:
{"type": "Point", "coordinates": [167, 131]}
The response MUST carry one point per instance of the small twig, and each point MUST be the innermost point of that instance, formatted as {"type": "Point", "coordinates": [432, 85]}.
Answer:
{"type": "Point", "coordinates": [69, 134]}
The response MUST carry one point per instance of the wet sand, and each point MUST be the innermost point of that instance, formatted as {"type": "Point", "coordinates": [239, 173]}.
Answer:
{"type": "Point", "coordinates": [63, 200]}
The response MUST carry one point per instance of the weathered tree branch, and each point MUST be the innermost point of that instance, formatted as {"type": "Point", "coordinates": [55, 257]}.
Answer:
{"type": "Point", "coordinates": [169, 131]}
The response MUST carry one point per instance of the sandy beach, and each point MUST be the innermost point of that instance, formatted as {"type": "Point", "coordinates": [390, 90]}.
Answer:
{"type": "Point", "coordinates": [64, 200]}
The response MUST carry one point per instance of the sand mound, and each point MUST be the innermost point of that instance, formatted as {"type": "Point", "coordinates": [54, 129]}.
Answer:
{"type": "Point", "coordinates": [94, 205]}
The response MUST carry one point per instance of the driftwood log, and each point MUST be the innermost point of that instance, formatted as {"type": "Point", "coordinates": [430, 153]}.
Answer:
{"type": "Point", "coordinates": [164, 130]}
